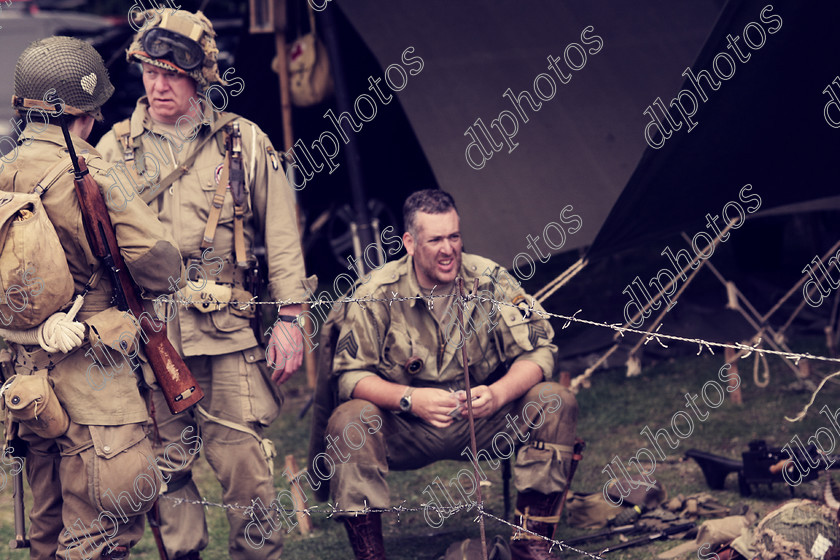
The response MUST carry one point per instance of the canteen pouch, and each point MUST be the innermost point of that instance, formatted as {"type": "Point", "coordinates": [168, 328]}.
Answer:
{"type": "Point", "coordinates": [30, 400]}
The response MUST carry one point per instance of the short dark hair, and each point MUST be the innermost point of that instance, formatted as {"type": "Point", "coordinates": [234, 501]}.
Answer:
{"type": "Point", "coordinates": [429, 201]}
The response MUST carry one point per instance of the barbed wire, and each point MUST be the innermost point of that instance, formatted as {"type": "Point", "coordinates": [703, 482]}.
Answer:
{"type": "Point", "coordinates": [657, 335]}
{"type": "Point", "coordinates": [330, 510]}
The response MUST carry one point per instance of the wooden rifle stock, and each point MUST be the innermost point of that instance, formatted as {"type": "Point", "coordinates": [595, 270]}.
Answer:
{"type": "Point", "coordinates": [179, 387]}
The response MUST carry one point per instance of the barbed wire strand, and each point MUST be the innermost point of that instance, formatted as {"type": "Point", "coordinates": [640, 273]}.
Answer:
{"type": "Point", "coordinates": [330, 510]}
{"type": "Point", "coordinates": [617, 327]}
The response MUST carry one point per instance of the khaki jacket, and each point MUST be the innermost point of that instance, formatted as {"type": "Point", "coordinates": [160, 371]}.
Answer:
{"type": "Point", "coordinates": [185, 207]}
{"type": "Point", "coordinates": [379, 338]}
{"type": "Point", "coordinates": [148, 250]}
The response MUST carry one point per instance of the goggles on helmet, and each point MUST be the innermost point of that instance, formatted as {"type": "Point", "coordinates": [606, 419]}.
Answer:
{"type": "Point", "coordinates": [185, 53]}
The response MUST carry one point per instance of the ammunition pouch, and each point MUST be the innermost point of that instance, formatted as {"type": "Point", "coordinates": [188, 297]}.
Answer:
{"type": "Point", "coordinates": [115, 329]}
{"type": "Point", "coordinates": [241, 303]}
{"type": "Point", "coordinates": [213, 296]}
{"type": "Point", "coordinates": [212, 290]}
{"type": "Point", "coordinates": [543, 466]}
{"type": "Point", "coordinates": [30, 400]}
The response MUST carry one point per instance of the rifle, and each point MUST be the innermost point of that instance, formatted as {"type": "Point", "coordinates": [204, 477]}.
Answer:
{"type": "Point", "coordinates": [153, 516]}
{"type": "Point", "coordinates": [179, 387]}
{"type": "Point", "coordinates": [18, 447]}
{"type": "Point", "coordinates": [605, 534]}
{"type": "Point", "coordinates": [760, 465]}
{"type": "Point", "coordinates": [658, 536]}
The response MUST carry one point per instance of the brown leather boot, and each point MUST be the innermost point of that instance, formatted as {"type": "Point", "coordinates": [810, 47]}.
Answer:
{"type": "Point", "coordinates": [116, 553]}
{"type": "Point", "coordinates": [535, 512]}
{"type": "Point", "coordinates": [365, 532]}
{"type": "Point", "coordinates": [194, 555]}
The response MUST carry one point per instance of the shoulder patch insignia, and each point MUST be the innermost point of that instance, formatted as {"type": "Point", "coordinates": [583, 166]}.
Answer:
{"type": "Point", "coordinates": [348, 343]}
{"type": "Point", "coordinates": [536, 332]}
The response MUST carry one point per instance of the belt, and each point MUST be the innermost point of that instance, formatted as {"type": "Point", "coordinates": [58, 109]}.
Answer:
{"type": "Point", "coordinates": [36, 358]}
{"type": "Point", "coordinates": [229, 274]}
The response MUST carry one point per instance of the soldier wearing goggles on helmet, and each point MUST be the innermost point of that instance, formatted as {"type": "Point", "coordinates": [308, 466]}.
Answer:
{"type": "Point", "coordinates": [218, 191]}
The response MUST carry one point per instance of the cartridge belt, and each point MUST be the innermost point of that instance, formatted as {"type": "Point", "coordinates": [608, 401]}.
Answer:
{"type": "Point", "coordinates": [229, 274]}
{"type": "Point", "coordinates": [35, 358]}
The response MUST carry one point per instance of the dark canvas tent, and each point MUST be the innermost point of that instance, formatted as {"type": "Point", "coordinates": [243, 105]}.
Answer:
{"type": "Point", "coordinates": [579, 148]}
{"type": "Point", "coordinates": [763, 126]}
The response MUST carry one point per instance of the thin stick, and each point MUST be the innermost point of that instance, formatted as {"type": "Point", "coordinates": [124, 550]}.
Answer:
{"type": "Point", "coordinates": [460, 305]}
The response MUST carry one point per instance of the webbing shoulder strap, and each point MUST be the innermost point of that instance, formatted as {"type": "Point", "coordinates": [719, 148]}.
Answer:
{"type": "Point", "coordinates": [149, 195]}
{"type": "Point", "coordinates": [55, 171]}
{"type": "Point", "coordinates": [232, 173]}
{"type": "Point", "coordinates": [122, 130]}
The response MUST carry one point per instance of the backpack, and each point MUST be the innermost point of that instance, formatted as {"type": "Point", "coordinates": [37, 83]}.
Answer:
{"type": "Point", "coordinates": [35, 280]}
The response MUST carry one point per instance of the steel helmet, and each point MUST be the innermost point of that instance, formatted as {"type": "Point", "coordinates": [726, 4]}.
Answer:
{"type": "Point", "coordinates": [71, 67]}
{"type": "Point", "coordinates": [179, 41]}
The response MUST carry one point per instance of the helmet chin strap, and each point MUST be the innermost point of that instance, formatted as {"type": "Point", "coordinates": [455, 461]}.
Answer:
{"type": "Point", "coordinates": [25, 103]}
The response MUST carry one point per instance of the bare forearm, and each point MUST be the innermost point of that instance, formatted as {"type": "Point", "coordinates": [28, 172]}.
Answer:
{"type": "Point", "coordinates": [384, 394]}
{"type": "Point", "coordinates": [521, 376]}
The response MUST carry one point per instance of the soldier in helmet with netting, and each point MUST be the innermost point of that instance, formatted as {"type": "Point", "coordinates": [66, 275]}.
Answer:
{"type": "Point", "coordinates": [86, 442]}
{"type": "Point", "coordinates": [217, 180]}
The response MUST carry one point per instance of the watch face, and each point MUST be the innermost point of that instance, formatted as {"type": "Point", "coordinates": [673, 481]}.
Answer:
{"type": "Point", "coordinates": [405, 404]}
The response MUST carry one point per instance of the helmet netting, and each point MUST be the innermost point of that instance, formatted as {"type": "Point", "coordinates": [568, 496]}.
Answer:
{"type": "Point", "coordinates": [70, 66]}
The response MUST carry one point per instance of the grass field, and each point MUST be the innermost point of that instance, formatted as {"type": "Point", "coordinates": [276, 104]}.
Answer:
{"type": "Point", "coordinates": [613, 412]}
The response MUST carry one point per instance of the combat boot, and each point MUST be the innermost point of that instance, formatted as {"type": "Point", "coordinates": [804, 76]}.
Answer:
{"type": "Point", "coordinates": [535, 512]}
{"type": "Point", "coordinates": [116, 553]}
{"type": "Point", "coordinates": [365, 533]}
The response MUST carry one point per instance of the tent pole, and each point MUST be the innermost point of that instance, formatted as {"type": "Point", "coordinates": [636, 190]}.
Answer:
{"type": "Point", "coordinates": [796, 286]}
{"type": "Point", "coordinates": [583, 379]}
{"type": "Point", "coordinates": [288, 141]}
{"type": "Point", "coordinates": [546, 291]}
{"type": "Point", "coordinates": [774, 340]}
{"type": "Point", "coordinates": [344, 103]}
{"type": "Point", "coordinates": [682, 272]}
{"type": "Point", "coordinates": [662, 313]}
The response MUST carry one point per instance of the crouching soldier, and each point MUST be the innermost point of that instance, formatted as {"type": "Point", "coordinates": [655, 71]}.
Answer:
{"type": "Point", "coordinates": [401, 363]}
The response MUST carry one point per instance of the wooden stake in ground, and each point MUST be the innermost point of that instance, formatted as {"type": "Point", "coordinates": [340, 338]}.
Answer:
{"type": "Point", "coordinates": [279, 13]}
{"type": "Point", "coordinates": [460, 305]}
{"type": "Point", "coordinates": [304, 521]}
{"type": "Point", "coordinates": [732, 360]}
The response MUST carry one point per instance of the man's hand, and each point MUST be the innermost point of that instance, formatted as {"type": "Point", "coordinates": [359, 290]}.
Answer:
{"type": "Point", "coordinates": [433, 406]}
{"type": "Point", "coordinates": [485, 402]}
{"type": "Point", "coordinates": [285, 351]}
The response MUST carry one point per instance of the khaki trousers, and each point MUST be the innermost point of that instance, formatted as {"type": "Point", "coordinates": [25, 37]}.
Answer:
{"type": "Point", "coordinates": [547, 413]}
{"type": "Point", "coordinates": [235, 390]}
{"type": "Point", "coordinates": [90, 489]}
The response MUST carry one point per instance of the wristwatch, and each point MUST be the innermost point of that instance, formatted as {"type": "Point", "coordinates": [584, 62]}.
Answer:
{"type": "Point", "coordinates": [291, 319]}
{"type": "Point", "coordinates": [405, 401]}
